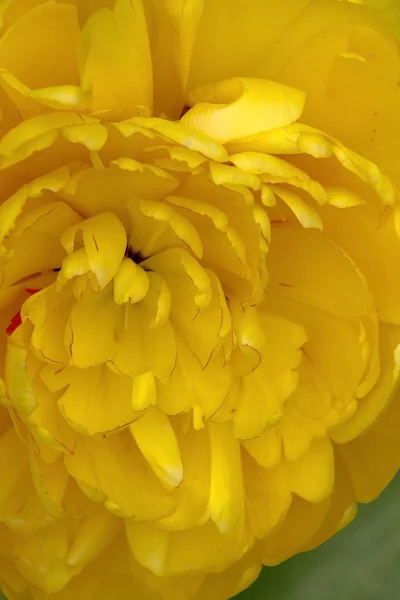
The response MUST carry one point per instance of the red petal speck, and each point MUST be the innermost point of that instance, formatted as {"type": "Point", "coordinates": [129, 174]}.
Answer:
{"type": "Point", "coordinates": [16, 320]}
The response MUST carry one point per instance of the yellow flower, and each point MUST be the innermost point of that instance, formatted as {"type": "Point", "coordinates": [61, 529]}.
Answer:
{"type": "Point", "coordinates": [199, 289]}
{"type": "Point", "coordinates": [390, 10]}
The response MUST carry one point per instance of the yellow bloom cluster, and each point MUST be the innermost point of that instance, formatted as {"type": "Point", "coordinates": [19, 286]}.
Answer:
{"type": "Point", "coordinates": [199, 289]}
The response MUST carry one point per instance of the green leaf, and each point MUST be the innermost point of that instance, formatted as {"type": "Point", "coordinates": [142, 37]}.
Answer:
{"type": "Point", "coordinates": [362, 562]}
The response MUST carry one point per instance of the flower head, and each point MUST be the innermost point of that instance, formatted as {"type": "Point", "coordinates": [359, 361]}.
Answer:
{"type": "Point", "coordinates": [199, 292]}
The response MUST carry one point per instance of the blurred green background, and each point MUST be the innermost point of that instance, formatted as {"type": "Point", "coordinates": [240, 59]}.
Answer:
{"type": "Point", "coordinates": [362, 562]}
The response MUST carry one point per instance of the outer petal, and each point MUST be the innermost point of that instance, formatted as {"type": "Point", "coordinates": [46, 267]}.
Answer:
{"type": "Point", "coordinates": [157, 441]}
{"type": "Point", "coordinates": [115, 62]}
{"type": "Point", "coordinates": [226, 504]}
{"type": "Point", "coordinates": [46, 569]}
{"type": "Point", "coordinates": [191, 550]}
{"type": "Point", "coordinates": [371, 407]}
{"type": "Point", "coordinates": [381, 445]}
{"type": "Point", "coordinates": [113, 469]}
{"type": "Point", "coordinates": [390, 9]}
{"type": "Point", "coordinates": [97, 400]}
{"type": "Point", "coordinates": [45, 35]}
{"type": "Point", "coordinates": [268, 497]}
{"type": "Point", "coordinates": [269, 42]}
{"type": "Point", "coordinates": [301, 524]}
{"type": "Point", "coordinates": [238, 107]}
{"type": "Point", "coordinates": [86, 8]}
{"type": "Point", "coordinates": [193, 493]}
{"type": "Point", "coordinates": [173, 26]}
{"type": "Point", "coordinates": [237, 29]}
{"type": "Point", "coordinates": [39, 231]}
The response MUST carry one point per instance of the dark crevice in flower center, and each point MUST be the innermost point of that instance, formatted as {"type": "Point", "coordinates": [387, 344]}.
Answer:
{"type": "Point", "coordinates": [134, 255]}
{"type": "Point", "coordinates": [185, 109]}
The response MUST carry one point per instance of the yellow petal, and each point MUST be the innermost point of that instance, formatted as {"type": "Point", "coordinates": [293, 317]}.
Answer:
{"type": "Point", "coordinates": [250, 338]}
{"type": "Point", "coordinates": [46, 35]}
{"type": "Point", "coordinates": [39, 230]}
{"type": "Point", "coordinates": [131, 283]}
{"type": "Point", "coordinates": [165, 553]}
{"type": "Point", "coordinates": [91, 135]}
{"type": "Point", "coordinates": [302, 522]}
{"type": "Point", "coordinates": [157, 441]}
{"type": "Point", "coordinates": [382, 394]}
{"type": "Point", "coordinates": [49, 312]}
{"type": "Point", "coordinates": [142, 350]}
{"type": "Point", "coordinates": [94, 535]}
{"type": "Point", "coordinates": [222, 174]}
{"type": "Point", "coordinates": [97, 400]}
{"type": "Point", "coordinates": [33, 135]}
{"type": "Point", "coordinates": [239, 107]}
{"type": "Point", "coordinates": [369, 478]}
{"type": "Point", "coordinates": [48, 569]}
{"type": "Point", "coordinates": [268, 497]}
{"type": "Point", "coordinates": [222, 246]}
{"type": "Point", "coordinates": [19, 388]}
{"type": "Point", "coordinates": [266, 449]}
{"type": "Point", "coordinates": [92, 332]}
{"type": "Point", "coordinates": [297, 432]}
{"type": "Point", "coordinates": [189, 157]}
{"type": "Point", "coordinates": [114, 60]}
{"type": "Point", "coordinates": [186, 136]}
{"type": "Point", "coordinates": [32, 102]}
{"type": "Point", "coordinates": [50, 480]}
{"type": "Point", "coordinates": [11, 208]}
{"type": "Point", "coordinates": [291, 280]}
{"type": "Point", "coordinates": [144, 393]}
{"type": "Point", "coordinates": [390, 10]}
{"type": "Point", "coordinates": [312, 476]}
{"type": "Point", "coordinates": [51, 432]}
{"type": "Point", "coordinates": [231, 581]}
{"type": "Point", "coordinates": [226, 504]}
{"type": "Point", "coordinates": [172, 34]}
{"type": "Point", "coordinates": [62, 96]}
{"type": "Point", "coordinates": [104, 240]}
{"type": "Point", "coordinates": [22, 510]}
{"type": "Point", "coordinates": [378, 264]}
{"type": "Point", "coordinates": [14, 461]}
{"type": "Point", "coordinates": [263, 392]}
{"type": "Point", "coordinates": [192, 386]}
{"type": "Point", "coordinates": [342, 508]}
{"type": "Point", "coordinates": [193, 493]}
{"type": "Point", "coordinates": [115, 468]}
{"type": "Point", "coordinates": [88, 7]}
{"type": "Point", "coordinates": [258, 407]}
{"type": "Point", "coordinates": [188, 282]}
{"type": "Point", "coordinates": [225, 32]}
{"type": "Point", "coordinates": [368, 172]}
{"type": "Point", "coordinates": [362, 120]}
{"type": "Point", "coordinates": [114, 186]}
{"type": "Point", "coordinates": [307, 216]}
{"type": "Point", "coordinates": [158, 300]}
{"type": "Point", "coordinates": [204, 334]}
{"type": "Point", "coordinates": [156, 227]}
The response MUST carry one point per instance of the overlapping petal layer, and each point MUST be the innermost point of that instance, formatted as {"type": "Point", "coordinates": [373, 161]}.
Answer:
{"type": "Point", "coordinates": [199, 322]}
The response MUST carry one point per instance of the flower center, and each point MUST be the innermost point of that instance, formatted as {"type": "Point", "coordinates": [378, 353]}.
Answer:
{"type": "Point", "coordinates": [185, 283]}
{"type": "Point", "coordinates": [221, 260]}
